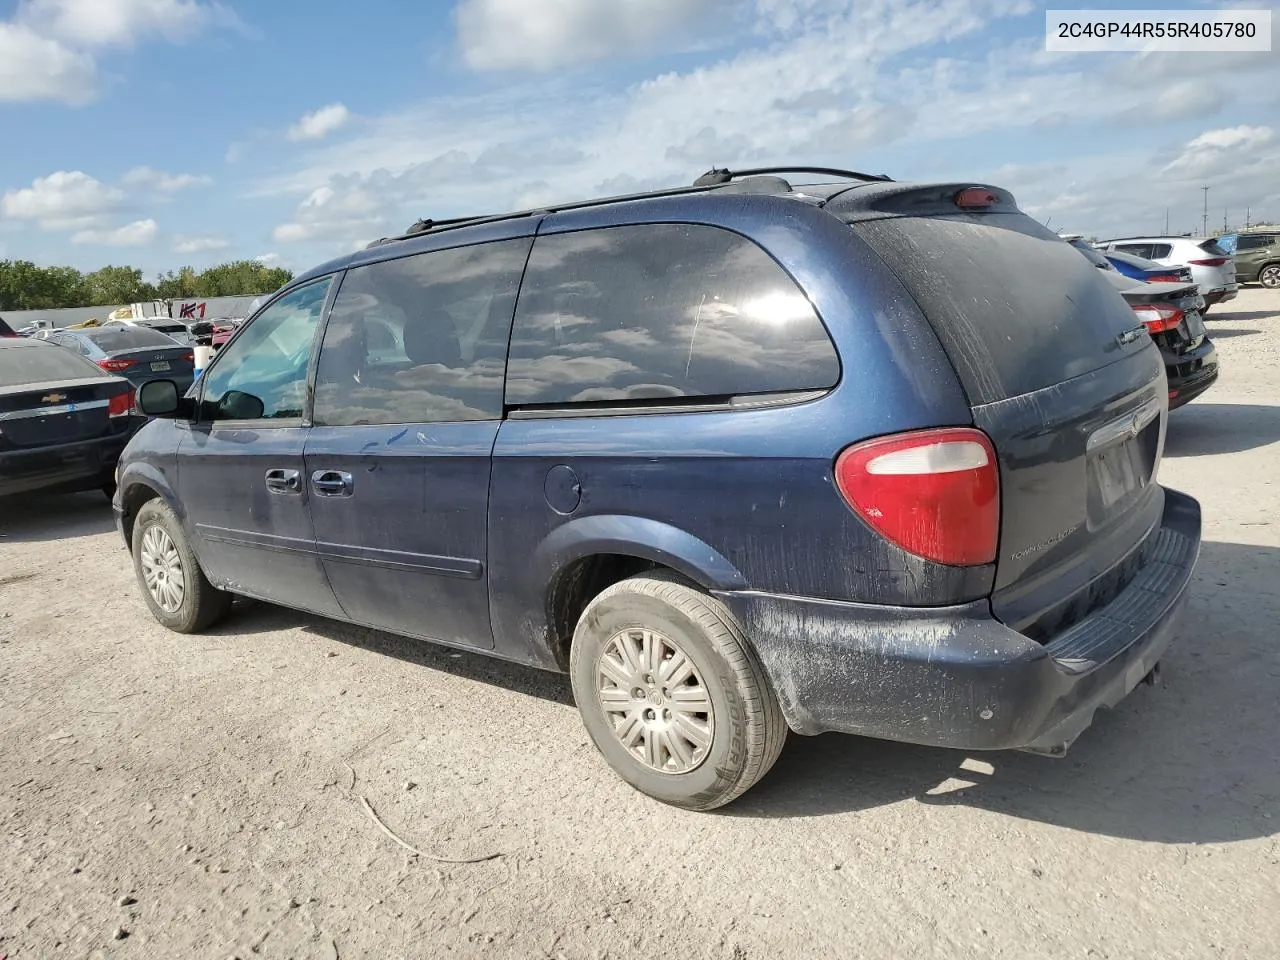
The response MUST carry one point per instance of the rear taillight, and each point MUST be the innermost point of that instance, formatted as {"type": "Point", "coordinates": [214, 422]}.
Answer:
{"type": "Point", "coordinates": [935, 493]}
{"type": "Point", "coordinates": [115, 366]}
{"type": "Point", "coordinates": [1158, 317]}
{"type": "Point", "coordinates": [121, 405]}
{"type": "Point", "coordinates": [188, 357]}
{"type": "Point", "coordinates": [1164, 278]}
{"type": "Point", "coordinates": [1211, 262]}
{"type": "Point", "coordinates": [975, 197]}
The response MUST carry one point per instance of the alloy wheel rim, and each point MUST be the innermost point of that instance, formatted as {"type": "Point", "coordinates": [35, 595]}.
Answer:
{"type": "Point", "coordinates": [654, 697]}
{"type": "Point", "coordinates": [1271, 277]}
{"type": "Point", "coordinates": [162, 571]}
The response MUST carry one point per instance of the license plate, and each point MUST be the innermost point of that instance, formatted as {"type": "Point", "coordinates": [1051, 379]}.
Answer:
{"type": "Point", "coordinates": [160, 365]}
{"type": "Point", "coordinates": [1117, 474]}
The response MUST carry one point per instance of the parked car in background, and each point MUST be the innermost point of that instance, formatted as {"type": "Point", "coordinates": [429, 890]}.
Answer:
{"type": "Point", "coordinates": [1212, 268]}
{"type": "Point", "coordinates": [1258, 258]}
{"type": "Point", "coordinates": [136, 353]}
{"type": "Point", "coordinates": [860, 456]}
{"type": "Point", "coordinates": [1172, 313]}
{"type": "Point", "coordinates": [63, 421]}
{"type": "Point", "coordinates": [6, 330]}
{"type": "Point", "coordinates": [174, 329]}
{"type": "Point", "coordinates": [1148, 271]}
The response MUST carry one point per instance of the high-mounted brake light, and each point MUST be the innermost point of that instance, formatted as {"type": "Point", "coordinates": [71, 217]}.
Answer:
{"type": "Point", "coordinates": [935, 493]}
{"type": "Point", "coordinates": [1158, 317]}
{"type": "Point", "coordinates": [115, 366]}
{"type": "Point", "coordinates": [1211, 262]}
{"type": "Point", "coordinates": [974, 197]}
{"type": "Point", "coordinates": [121, 405]}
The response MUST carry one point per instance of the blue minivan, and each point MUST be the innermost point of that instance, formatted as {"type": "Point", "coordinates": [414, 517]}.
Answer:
{"type": "Point", "coordinates": [742, 458]}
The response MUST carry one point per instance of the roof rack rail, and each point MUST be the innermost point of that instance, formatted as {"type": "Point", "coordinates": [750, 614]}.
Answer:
{"type": "Point", "coordinates": [718, 175]}
{"type": "Point", "coordinates": [428, 225]}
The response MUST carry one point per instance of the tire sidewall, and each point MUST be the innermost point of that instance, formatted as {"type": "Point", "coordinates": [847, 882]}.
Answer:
{"type": "Point", "coordinates": [156, 513]}
{"type": "Point", "coordinates": [1271, 271]}
{"type": "Point", "coordinates": [728, 756]}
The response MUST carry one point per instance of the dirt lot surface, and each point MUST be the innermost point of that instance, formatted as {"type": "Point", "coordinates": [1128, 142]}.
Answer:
{"type": "Point", "coordinates": [189, 797]}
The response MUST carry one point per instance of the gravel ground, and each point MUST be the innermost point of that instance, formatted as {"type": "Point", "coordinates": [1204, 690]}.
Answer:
{"type": "Point", "coordinates": [165, 796]}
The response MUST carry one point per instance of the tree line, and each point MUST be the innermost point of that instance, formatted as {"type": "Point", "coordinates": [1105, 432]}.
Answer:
{"type": "Point", "coordinates": [26, 286]}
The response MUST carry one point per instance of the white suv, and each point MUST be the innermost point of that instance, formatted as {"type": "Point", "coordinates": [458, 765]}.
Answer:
{"type": "Point", "coordinates": [1212, 267]}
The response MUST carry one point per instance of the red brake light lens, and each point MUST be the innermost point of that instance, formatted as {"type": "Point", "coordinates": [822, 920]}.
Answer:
{"type": "Point", "coordinates": [1211, 262]}
{"type": "Point", "coordinates": [188, 357]}
{"type": "Point", "coordinates": [115, 366]}
{"type": "Point", "coordinates": [121, 405]}
{"type": "Point", "coordinates": [1158, 317]}
{"type": "Point", "coordinates": [935, 493]}
{"type": "Point", "coordinates": [1163, 278]}
{"type": "Point", "coordinates": [974, 197]}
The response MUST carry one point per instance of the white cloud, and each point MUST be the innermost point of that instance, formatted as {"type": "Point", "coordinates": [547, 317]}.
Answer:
{"type": "Point", "coordinates": [877, 86]}
{"type": "Point", "coordinates": [199, 244]}
{"type": "Point", "coordinates": [46, 50]}
{"type": "Point", "coordinates": [33, 67]}
{"type": "Point", "coordinates": [161, 182]}
{"type": "Point", "coordinates": [1216, 150]}
{"type": "Point", "coordinates": [135, 234]}
{"type": "Point", "coordinates": [268, 259]}
{"type": "Point", "coordinates": [336, 212]}
{"type": "Point", "coordinates": [320, 123]}
{"type": "Point", "coordinates": [541, 34]}
{"type": "Point", "coordinates": [94, 23]}
{"type": "Point", "coordinates": [66, 199]}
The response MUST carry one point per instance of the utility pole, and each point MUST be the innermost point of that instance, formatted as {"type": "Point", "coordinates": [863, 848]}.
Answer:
{"type": "Point", "coordinates": [1166, 221]}
{"type": "Point", "coordinates": [1204, 219]}
{"type": "Point", "coordinates": [1246, 217]}
{"type": "Point", "coordinates": [1224, 219]}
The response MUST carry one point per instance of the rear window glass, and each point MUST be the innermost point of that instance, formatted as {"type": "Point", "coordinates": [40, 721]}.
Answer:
{"type": "Point", "coordinates": [1015, 308]}
{"type": "Point", "coordinates": [19, 365]}
{"type": "Point", "coordinates": [661, 312]}
{"type": "Point", "coordinates": [126, 338]}
{"type": "Point", "coordinates": [1212, 248]}
{"type": "Point", "coordinates": [1092, 255]}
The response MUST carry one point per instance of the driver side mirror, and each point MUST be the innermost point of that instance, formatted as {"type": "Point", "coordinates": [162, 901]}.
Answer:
{"type": "Point", "coordinates": [159, 398]}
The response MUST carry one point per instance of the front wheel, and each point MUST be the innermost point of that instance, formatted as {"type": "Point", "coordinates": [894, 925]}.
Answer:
{"type": "Point", "coordinates": [1269, 276]}
{"type": "Point", "coordinates": [672, 694]}
{"type": "Point", "coordinates": [173, 584]}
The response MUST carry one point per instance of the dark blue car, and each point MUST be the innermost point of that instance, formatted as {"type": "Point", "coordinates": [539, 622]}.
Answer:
{"type": "Point", "coordinates": [741, 458]}
{"type": "Point", "coordinates": [1148, 271]}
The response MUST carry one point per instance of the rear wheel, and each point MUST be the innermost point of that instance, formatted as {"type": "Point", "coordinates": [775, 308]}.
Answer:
{"type": "Point", "coordinates": [1269, 276]}
{"type": "Point", "coordinates": [672, 694]}
{"type": "Point", "coordinates": [173, 585]}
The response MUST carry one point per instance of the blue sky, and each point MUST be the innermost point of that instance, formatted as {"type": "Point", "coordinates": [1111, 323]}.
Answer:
{"type": "Point", "coordinates": [169, 132]}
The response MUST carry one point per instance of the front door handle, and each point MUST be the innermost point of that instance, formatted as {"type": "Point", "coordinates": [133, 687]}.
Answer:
{"type": "Point", "coordinates": [284, 481]}
{"type": "Point", "coordinates": [332, 483]}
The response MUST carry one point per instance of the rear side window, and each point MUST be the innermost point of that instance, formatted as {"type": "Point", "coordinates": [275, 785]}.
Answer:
{"type": "Point", "coordinates": [1244, 243]}
{"type": "Point", "coordinates": [1144, 250]}
{"type": "Point", "coordinates": [661, 312]}
{"type": "Point", "coordinates": [1159, 251]}
{"type": "Point", "coordinates": [22, 365]}
{"type": "Point", "coordinates": [421, 338]}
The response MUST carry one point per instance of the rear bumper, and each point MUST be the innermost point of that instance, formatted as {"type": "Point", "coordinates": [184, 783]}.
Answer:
{"type": "Point", "coordinates": [1222, 294]}
{"type": "Point", "coordinates": [64, 468]}
{"type": "Point", "coordinates": [1190, 374]}
{"type": "Point", "coordinates": [956, 677]}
